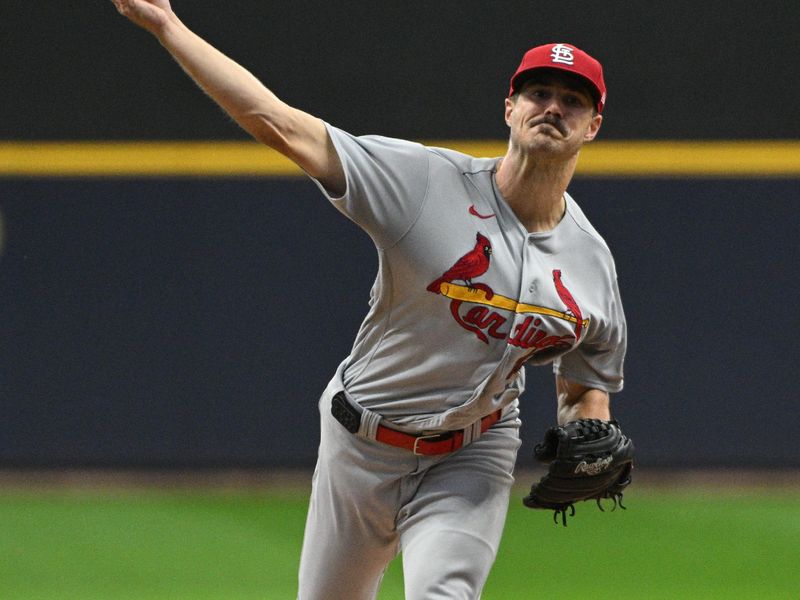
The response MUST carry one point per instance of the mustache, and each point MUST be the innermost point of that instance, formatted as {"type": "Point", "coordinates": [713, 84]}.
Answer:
{"type": "Point", "coordinates": [554, 121]}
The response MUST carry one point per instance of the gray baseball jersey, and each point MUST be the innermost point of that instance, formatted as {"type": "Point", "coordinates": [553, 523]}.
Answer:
{"type": "Point", "coordinates": [463, 298]}
{"type": "Point", "coordinates": [464, 294]}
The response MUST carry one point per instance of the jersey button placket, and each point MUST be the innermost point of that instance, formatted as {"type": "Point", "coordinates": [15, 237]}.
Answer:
{"type": "Point", "coordinates": [515, 348]}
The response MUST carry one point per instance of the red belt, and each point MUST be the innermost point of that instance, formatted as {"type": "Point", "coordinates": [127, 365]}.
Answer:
{"type": "Point", "coordinates": [430, 445]}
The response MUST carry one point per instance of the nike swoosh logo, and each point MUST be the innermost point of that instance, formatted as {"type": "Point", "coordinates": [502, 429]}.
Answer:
{"type": "Point", "coordinates": [474, 212]}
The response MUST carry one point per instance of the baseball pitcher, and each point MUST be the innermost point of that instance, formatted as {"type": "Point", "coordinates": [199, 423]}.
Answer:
{"type": "Point", "coordinates": [485, 265]}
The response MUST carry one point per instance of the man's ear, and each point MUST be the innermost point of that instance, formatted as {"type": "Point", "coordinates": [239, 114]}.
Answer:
{"type": "Point", "coordinates": [594, 128]}
{"type": "Point", "coordinates": [509, 103]}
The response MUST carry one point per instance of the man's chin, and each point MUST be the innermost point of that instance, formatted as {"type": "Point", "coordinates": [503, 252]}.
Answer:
{"type": "Point", "coordinates": [543, 143]}
{"type": "Point", "coordinates": [548, 148]}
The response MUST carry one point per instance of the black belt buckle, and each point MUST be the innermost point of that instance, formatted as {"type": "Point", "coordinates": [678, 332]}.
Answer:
{"type": "Point", "coordinates": [345, 413]}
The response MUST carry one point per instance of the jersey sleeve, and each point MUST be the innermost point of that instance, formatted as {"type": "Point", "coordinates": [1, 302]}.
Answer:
{"type": "Point", "coordinates": [598, 361]}
{"type": "Point", "coordinates": [386, 183]}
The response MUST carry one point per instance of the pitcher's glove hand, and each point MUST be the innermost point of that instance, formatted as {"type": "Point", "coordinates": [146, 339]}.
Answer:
{"type": "Point", "coordinates": [589, 459]}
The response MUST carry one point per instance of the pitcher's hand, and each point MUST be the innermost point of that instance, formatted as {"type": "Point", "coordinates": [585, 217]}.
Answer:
{"type": "Point", "coordinates": [151, 15]}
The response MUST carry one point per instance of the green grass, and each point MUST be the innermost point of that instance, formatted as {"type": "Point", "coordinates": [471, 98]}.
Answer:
{"type": "Point", "coordinates": [160, 545]}
{"type": "Point", "coordinates": [699, 545]}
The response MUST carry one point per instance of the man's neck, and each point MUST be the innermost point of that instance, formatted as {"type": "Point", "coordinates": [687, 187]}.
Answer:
{"type": "Point", "coordinates": [535, 189]}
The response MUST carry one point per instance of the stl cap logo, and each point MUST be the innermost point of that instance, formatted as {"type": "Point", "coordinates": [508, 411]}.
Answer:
{"type": "Point", "coordinates": [562, 54]}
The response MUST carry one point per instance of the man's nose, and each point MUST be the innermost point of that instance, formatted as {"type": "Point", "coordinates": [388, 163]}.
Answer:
{"type": "Point", "coordinates": [554, 107]}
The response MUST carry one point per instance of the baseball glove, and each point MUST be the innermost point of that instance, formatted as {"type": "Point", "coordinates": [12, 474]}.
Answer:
{"type": "Point", "coordinates": [588, 459]}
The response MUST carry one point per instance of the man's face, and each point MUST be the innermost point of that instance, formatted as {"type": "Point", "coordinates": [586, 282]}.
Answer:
{"type": "Point", "coordinates": [552, 115]}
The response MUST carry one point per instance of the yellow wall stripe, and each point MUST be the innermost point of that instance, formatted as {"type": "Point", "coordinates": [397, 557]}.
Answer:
{"type": "Point", "coordinates": [779, 158]}
{"type": "Point", "coordinates": [699, 158]}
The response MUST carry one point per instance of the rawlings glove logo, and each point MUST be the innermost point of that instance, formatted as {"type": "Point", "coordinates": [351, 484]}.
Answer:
{"type": "Point", "coordinates": [588, 459]}
{"type": "Point", "coordinates": [593, 468]}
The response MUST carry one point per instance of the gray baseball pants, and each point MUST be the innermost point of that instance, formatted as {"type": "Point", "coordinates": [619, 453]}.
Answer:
{"type": "Point", "coordinates": [370, 501]}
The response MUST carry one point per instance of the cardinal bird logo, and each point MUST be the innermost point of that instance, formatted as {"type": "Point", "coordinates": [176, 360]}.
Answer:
{"type": "Point", "coordinates": [473, 264]}
{"type": "Point", "coordinates": [569, 301]}
{"type": "Point", "coordinates": [474, 212]}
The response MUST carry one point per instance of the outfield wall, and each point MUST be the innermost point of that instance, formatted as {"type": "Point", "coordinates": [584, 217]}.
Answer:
{"type": "Point", "coordinates": [677, 69]}
{"type": "Point", "coordinates": [183, 304]}
{"type": "Point", "coordinates": [185, 321]}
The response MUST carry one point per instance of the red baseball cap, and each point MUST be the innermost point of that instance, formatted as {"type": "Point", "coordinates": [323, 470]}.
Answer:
{"type": "Point", "coordinates": [564, 57]}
